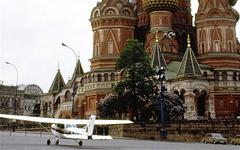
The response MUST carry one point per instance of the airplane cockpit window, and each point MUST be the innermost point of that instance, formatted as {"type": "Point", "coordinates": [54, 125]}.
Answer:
{"type": "Point", "coordinates": [68, 126]}
{"type": "Point", "coordinates": [60, 126]}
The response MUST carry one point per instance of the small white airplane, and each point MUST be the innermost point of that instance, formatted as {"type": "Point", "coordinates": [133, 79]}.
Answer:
{"type": "Point", "coordinates": [67, 128]}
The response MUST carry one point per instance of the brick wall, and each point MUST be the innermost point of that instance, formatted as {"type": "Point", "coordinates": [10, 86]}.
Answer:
{"type": "Point", "coordinates": [187, 131]}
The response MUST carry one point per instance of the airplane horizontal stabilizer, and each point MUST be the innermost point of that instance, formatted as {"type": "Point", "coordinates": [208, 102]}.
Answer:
{"type": "Point", "coordinates": [76, 137]}
{"type": "Point", "coordinates": [101, 137]}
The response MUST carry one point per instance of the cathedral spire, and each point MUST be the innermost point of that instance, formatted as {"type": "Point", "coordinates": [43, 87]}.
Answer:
{"type": "Point", "coordinates": [78, 69]}
{"type": "Point", "coordinates": [189, 65]}
{"type": "Point", "coordinates": [158, 59]}
{"type": "Point", "coordinates": [57, 84]}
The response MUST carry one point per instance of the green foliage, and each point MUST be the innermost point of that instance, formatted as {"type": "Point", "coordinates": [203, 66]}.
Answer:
{"type": "Point", "coordinates": [137, 94]}
{"type": "Point", "coordinates": [138, 85]}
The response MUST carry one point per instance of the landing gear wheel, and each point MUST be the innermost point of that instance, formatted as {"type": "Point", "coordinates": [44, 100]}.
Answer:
{"type": "Point", "coordinates": [57, 142]}
{"type": "Point", "coordinates": [80, 143]}
{"type": "Point", "coordinates": [48, 142]}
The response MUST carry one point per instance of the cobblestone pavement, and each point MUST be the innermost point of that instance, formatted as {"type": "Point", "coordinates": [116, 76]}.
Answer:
{"type": "Point", "coordinates": [29, 141]}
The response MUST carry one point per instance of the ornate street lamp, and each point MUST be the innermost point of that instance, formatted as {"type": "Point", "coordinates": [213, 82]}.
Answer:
{"type": "Point", "coordinates": [15, 98]}
{"type": "Point", "coordinates": [75, 85]}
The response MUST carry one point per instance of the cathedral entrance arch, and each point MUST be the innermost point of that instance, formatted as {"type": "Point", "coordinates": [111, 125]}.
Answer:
{"type": "Point", "coordinates": [201, 98]}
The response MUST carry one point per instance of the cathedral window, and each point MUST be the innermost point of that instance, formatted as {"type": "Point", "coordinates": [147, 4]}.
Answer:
{"type": "Point", "coordinates": [203, 47]}
{"type": "Point", "coordinates": [110, 12]}
{"type": "Point", "coordinates": [82, 81]}
{"type": "Point", "coordinates": [112, 76]}
{"type": "Point", "coordinates": [99, 77]}
{"type": "Point", "coordinates": [224, 76]}
{"type": "Point", "coordinates": [216, 46]}
{"type": "Point", "coordinates": [93, 78]}
{"type": "Point", "coordinates": [96, 49]}
{"type": "Point", "coordinates": [105, 77]}
{"type": "Point", "coordinates": [230, 46]}
{"type": "Point", "coordinates": [216, 76]}
{"type": "Point", "coordinates": [205, 74]}
{"type": "Point", "coordinates": [234, 76]}
{"type": "Point", "coordinates": [110, 47]}
{"type": "Point", "coordinates": [89, 78]}
{"type": "Point", "coordinates": [50, 105]}
{"type": "Point", "coordinates": [126, 13]}
{"type": "Point", "coordinates": [96, 14]}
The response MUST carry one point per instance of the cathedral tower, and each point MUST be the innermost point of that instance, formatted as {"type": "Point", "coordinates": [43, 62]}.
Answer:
{"type": "Point", "coordinates": [216, 33]}
{"type": "Point", "coordinates": [113, 22]}
{"type": "Point", "coordinates": [161, 13]}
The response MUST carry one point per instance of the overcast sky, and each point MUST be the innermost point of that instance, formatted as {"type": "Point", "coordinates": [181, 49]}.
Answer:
{"type": "Point", "coordinates": [31, 33]}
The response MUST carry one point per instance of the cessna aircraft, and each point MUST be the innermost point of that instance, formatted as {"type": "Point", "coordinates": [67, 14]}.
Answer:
{"type": "Point", "coordinates": [67, 128]}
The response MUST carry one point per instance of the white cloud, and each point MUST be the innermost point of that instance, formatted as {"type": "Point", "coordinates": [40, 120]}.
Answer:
{"type": "Point", "coordinates": [31, 33]}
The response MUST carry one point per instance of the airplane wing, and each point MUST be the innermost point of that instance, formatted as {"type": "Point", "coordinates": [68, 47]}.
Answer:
{"type": "Point", "coordinates": [64, 121]}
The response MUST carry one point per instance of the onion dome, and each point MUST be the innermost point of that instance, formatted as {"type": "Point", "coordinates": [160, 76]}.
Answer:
{"type": "Point", "coordinates": [232, 2]}
{"type": "Point", "coordinates": [156, 5]}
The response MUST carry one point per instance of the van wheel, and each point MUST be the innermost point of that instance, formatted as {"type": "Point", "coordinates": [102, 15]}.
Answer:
{"type": "Point", "coordinates": [205, 142]}
{"type": "Point", "coordinates": [214, 142]}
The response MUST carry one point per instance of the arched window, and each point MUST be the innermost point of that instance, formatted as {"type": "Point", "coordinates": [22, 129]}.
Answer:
{"type": "Point", "coordinates": [82, 81]}
{"type": "Point", "coordinates": [105, 77]}
{"type": "Point", "coordinates": [110, 47]}
{"type": "Point", "coordinates": [216, 75]}
{"type": "Point", "coordinates": [96, 52]}
{"type": "Point", "coordinates": [112, 77]}
{"type": "Point", "coordinates": [89, 79]}
{"type": "Point", "coordinates": [93, 78]}
{"type": "Point", "coordinates": [224, 76]}
{"type": "Point", "coordinates": [182, 92]}
{"type": "Point", "coordinates": [99, 78]}
{"type": "Point", "coordinates": [203, 47]}
{"type": "Point", "coordinates": [205, 74]}
{"type": "Point", "coordinates": [68, 96]}
{"type": "Point", "coordinates": [230, 46]}
{"type": "Point", "coordinates": [216, 46]}
{"type": "Point", "coordinates": [234, 76]}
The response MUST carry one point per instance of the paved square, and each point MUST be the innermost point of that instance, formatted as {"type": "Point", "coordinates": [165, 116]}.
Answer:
{"type": "Point", "coordinates": [20, 141]}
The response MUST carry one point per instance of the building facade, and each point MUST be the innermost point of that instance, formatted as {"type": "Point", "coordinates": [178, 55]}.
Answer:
{"type": "Point", "coordinates": [204, 67]}
{"type": "Point", "coordinates": [21, 100]}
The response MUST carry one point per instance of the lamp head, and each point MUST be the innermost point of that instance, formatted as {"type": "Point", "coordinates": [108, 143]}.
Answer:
{"type": "Point", "coordinates": [64, 44]}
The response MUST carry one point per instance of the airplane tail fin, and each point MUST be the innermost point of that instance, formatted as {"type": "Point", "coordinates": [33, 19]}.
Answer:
{"type": "Point", "coordinates": [90, 126]}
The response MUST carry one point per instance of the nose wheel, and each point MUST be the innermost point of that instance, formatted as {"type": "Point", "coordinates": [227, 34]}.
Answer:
{"type": "Point", "coordinates": [80, 143]}
{"type": "Point", "coordinates": [48, 142]}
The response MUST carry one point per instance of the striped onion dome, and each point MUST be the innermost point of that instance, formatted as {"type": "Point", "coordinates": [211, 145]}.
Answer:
{"type": "Point", "coordinates": [155, 5]}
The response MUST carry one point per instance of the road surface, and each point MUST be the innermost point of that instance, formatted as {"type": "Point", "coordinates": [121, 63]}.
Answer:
{"type": "Point", "coordinates": [20, 141]}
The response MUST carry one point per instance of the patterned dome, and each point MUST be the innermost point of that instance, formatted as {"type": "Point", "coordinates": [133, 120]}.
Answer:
{"type": "Point", "coordinates": [232, 2]}
{"type": "Point", "coordinates": [155, 5]}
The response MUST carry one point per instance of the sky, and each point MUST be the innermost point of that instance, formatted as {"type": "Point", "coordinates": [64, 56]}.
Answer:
{"type": "Point", "coordinates": [31, 33]}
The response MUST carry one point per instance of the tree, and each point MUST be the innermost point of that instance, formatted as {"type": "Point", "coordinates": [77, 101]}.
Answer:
{"type": "Point", "coordinates": [138, 85]}
{"type": "Point", "coordinates": [138, 94]}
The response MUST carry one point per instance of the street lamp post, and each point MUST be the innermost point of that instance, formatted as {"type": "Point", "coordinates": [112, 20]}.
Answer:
{"type": "Point", "coordinates": [161, 74]}
{"type": "Point", "coordinates": [16, 92]}
{"type": "Point", "coordinates": [71, 50]}
{"type": "Point", "coordinates": [75, 85]}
